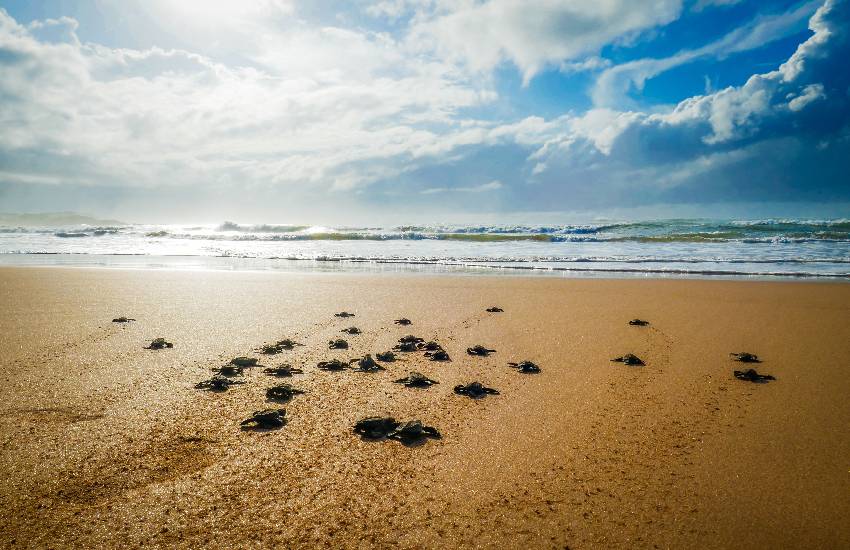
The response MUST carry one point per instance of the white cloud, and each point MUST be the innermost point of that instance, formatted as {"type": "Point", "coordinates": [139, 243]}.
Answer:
{"type": "Point", "coordinates": [534, 35]}
{"type": "Point", "coordinates": [482, 188]}
{"type": "Point", "coordinates": [701, 5]}
{"type": "Point", "coordinates": [711, 133]}
{"type": "Point", "coordinates": [614, 84]}
{"type": "Point", "coordinates": [333, 107]}
{"type": "Point", "coordinates": [810, 93]}
{"type": "Point", "coordinates": [325, 108]}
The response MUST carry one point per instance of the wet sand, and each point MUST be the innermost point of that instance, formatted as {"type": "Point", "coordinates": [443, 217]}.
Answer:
{"type": "Point", "coordinates": [105, 444]}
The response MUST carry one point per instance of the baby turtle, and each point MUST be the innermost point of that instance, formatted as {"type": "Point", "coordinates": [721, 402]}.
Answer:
{"type": "Point", "coordinates": [416, 380]}
{"type": "Point", "coordinates": [244, 361]}
{"type": "Point", "coordinates": [495, 309]}
{"type": "Point", "coordinates": [366, 364]}
{"type": "Point", "coordinates": [410, 339]}
{"type": "Point", "coordinates": [629, 359]}
{"type": "Point", "coordinates": [526, 367]}
{"type": "Point", "coordinates": [283, 371]}
{"type": "Point", "coordinates": [282, 392]}
{"type": "Point", "coordinates": [638, 323]}
{"type": "Point", "coordinates": [217, 384]}
{"type": "Point", "coordinates": [333, 365]}
{"type": "Point", "coordinates": [406, 347]}
{"type": "Point", "coordinates": [429, 346]}
{"type": "Point", "coordinates": [439, 355]}
{"type": "Point", "coordinates": [343, 314]}
{"type": "Point", "coordinates": [159, 343]}
{"type": "Point", "coordinates": [122, 320]}
{"type": "Point", "coordinates": [337, 344]}
{"type": "Point", "coordinates": [479, 350]}
{"type": "Point", "coordinates": [267, 419]}
{"type": "Point", "coordinates": [229, 370]}
{"type": "Point", "coordinates": [386, 357]}
{"type": "Point", "coordinates": [279, 346]}
{"type": "Point", "coordinates": [745, 357]}
{"type": "Point", "coordinates": [351, 330]}
{"type": "Point", "coordinates": [750, 375]}
{"type": "Point", "coordinates": [375, 427]}
{"type": "Point", "coordinates": [403, 321]}
{"type": "Point", "coordinates": [412, 432]}
{"type": "Point", "coordinates": [475, 390]}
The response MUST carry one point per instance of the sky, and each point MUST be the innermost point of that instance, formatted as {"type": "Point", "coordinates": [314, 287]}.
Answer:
{"type": "Point", "coordinates": [313, 111]}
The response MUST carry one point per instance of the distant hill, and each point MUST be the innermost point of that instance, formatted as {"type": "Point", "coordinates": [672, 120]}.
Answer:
{"type": "Point", "coordinates": [52, 219]}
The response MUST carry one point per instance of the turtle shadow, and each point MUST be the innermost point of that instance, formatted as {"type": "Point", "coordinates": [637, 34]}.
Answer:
{"type": "Point", "coordinates": [407, 442]}
{"type": "Point", "coordinates": [416, 442]}
{"type": "Point", "coordinates": [475, 397]}
{"type": "Point", "coordinates": [753, 377]}
{"type": "Point", "coordinates": [279, 400]}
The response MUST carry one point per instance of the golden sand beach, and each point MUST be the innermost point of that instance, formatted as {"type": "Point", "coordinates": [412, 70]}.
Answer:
{"type": "Point", "coordinates": [104, 444]}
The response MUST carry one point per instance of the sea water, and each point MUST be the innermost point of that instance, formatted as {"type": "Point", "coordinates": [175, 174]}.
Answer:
{"type": "Point", "coordinates": [730, 248]}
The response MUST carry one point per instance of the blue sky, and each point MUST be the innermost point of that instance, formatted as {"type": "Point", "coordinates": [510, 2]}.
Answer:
{"type": "Point", "coordinates": [287, 110]}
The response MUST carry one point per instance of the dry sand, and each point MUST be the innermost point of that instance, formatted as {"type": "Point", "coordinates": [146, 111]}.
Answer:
{"type": "Point", "coordinates": [104, 444]}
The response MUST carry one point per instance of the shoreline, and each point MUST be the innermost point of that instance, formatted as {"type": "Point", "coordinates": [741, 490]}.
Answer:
{"type": "Point", "coordinates": [391, 266]}
{"type": "Point", "coordinates": [105, 444]}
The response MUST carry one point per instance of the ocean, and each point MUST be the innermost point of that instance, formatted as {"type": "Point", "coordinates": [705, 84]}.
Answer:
{"type": "Point", "coordinates": [773, 248]}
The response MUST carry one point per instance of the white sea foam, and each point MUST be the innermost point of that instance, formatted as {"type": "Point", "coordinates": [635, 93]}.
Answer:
{"type": "Point", "coordinates": [798, 248]}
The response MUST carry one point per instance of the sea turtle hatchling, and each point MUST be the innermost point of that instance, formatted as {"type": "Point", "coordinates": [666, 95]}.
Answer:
{"type": "Point", "coordinates": [244, 362]}
{"type": "Point", "coordinates": [366, 364]}
{"type": "Point", "coordinates": [282, 392]}
{"type": "Point", "coordinates": [343, 314]}
{"type": "Point", "coordinates": [375, 427]}
{"type": "Point", "coordinates": [333, 365]}
{"type": "Point", "coordinates": [495, 309]}
{"type": "Point", "coordinates": [403, 321]}
{"type": "Point", "coordinates": [283, 371]}
{"type": "Point", "coordinates": [338, 344]}
{"type": "Point", "coordinates": [439, 355]}
{"type": "Point", "coordinates": [122, 320]}
{"type": "Point", "coordinates": [745, 357]}
{"type": "Point", "coordinates": [629, 359]}
{"type": "Point", "coordinates": [229, 370]}
{"type": "Point", "coordinates": [526, 367]}
{"type": "Point", "coordinates": [266, 419]}
{"type": "Point", "coordinates": [159, 343]}
{"type": "Point", "coordinates": [475, 390]}
{"type": "Point", "coordinates": [351, 330]}
{"type": "Point", "coordinates": [416, 380]}
{"type": "Point", "coordinates": [386, 357]}
{"type": "Point", "coordinates": [406, 347]}
{"type": "Point", "coordinates": [750, 375]}
{"type": "Point", "coordinates": [429, 346]}
{"type": "Point", "coordinates": [479, 350]}
{"type": "Point", "coordinates": [217, 384]}
{"type": "Point", "coordinates": [638, 323]}
{"type": "Point", "coordinates": [413, 431]}
{"type": "Point", "coordinates": [279, 346]}
{"type": "Point", "coordinates": [410, 339]}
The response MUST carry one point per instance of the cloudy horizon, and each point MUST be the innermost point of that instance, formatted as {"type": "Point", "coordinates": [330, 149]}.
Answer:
{"type": "Point", "coordinates": [282, 110]}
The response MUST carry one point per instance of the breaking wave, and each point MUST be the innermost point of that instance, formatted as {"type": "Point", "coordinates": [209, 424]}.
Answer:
{"type": "Point", "coordinates": [788, 247]}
